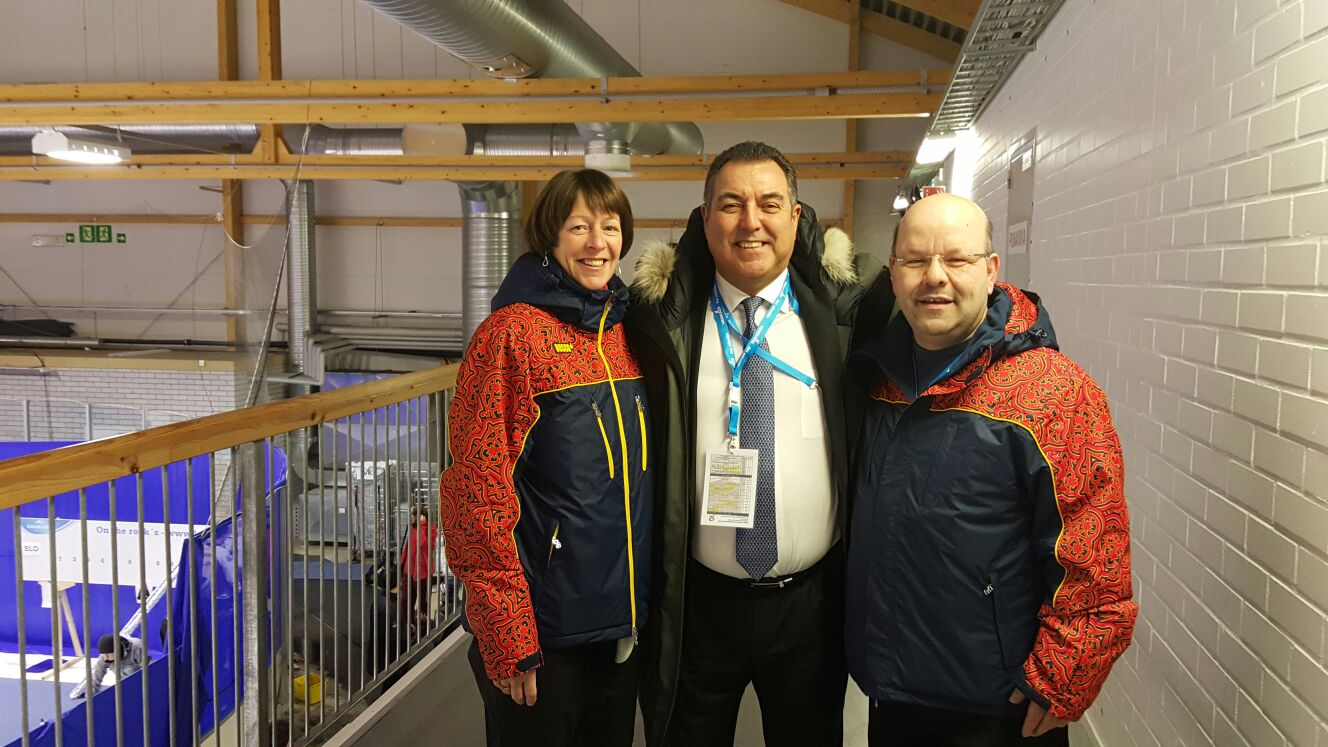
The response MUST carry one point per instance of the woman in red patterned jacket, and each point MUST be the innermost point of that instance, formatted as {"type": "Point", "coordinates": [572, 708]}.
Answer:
{"type": "Point", "coordinates": [546, 508]}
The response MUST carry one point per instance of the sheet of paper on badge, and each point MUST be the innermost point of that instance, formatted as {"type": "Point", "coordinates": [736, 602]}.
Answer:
{"type": "Point", "coordinates": [728, 498]}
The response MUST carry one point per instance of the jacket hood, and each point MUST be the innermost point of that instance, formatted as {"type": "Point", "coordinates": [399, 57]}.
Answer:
{"type": "Point", "coordinates": [1016, 322]}
{"type": "Point", "coordinates": [828, 253]}
{"type": "Point", "coordinates": [549, 287]}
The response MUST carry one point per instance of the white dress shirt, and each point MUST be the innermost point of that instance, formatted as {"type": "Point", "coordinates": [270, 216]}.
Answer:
{"type": "Point", "coordinates": [805, 501]}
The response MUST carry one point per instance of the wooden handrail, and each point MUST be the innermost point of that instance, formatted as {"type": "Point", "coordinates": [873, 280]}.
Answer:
{"type": "Point", "coordinates": [50, 473]}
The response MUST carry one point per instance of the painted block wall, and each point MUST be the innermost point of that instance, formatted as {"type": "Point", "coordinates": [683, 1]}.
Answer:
{"type": "Point", "coordinates": [1179, 224]}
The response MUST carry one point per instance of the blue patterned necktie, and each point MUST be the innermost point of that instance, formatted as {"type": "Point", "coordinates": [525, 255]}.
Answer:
{"type": "Point", "coordinates": [758, 548]}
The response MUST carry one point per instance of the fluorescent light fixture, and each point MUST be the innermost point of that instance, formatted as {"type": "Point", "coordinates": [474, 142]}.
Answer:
{"type": "Point", "coordinates": [79, 150]}
{"type": "Point", "coordinates": [934, 149]}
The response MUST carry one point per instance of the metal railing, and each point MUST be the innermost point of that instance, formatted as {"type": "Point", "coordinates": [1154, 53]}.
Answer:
{"type": "Point", "coordinates": [272, 624]}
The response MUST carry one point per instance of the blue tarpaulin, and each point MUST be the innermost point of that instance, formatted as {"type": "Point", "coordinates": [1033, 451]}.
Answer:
{"type": "Point", "coordinates": [156, 510]}
{"type": "Point", "coordinates": [210, 563]}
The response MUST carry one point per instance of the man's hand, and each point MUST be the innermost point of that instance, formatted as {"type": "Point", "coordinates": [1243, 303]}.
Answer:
{"type": "Point", "coordinates": [1038, 721]}
{"type": "Point", "coordinates": [521, 688]}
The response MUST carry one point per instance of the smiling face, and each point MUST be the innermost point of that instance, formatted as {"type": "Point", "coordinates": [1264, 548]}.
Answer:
{"type": "Point", "coordinates": [589, 245]}
{"type": "Point", "coordinates": [944, 303]}
{"type": "Point", "coordinates": [751, 223]}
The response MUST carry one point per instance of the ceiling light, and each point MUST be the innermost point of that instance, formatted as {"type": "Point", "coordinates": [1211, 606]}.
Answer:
{"type": "Point", "coordinates": [935, 149]}
{"type": "Point", "coordinates": [79, 150]}
{"type": "Point", "coordinates": [901, 201]}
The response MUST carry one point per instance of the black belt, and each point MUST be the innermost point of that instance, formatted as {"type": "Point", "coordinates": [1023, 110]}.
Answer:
{"type": "Point", "coordinates": [769, 582]}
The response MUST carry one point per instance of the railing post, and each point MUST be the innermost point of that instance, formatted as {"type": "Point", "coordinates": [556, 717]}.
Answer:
{"type": "Point", "coordinates": [254, 726]}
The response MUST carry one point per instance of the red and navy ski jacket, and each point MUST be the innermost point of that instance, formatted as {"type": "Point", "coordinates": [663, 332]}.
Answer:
{"type": "Point", "coordinates": [989, 544]}
{"type": "Point", "coordinates": [546, 508]}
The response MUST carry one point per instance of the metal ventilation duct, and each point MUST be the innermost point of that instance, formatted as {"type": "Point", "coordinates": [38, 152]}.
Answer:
{"type": "Point", "coordinates": [301, 279]}
{"type": "Point", "coordinates": [530, 38]}
{"type": "Point", "coordinates": [346, 141]}
{"type": "Point", "coordinates": [525, 140]}
{"type": "Point", "coordinates": [1003, 32]}
{"type": "Point", "coordinates": [512, 38]}
{"type": "Point", "coordinates": [490, 242]}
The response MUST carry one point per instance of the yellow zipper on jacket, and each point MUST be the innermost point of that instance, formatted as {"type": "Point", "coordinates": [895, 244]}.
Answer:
{"type": "Point", "coordinates": [608, 451]}
{"type": "Point", "coordinates": [641, 420]}
{"type": "Point", "coordinates": [627, 483]}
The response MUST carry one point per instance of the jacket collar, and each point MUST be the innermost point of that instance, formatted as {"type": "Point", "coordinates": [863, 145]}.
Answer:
{"type": "Point", "coordinates": [548, 286]}
{"type": "Point", "coordinates": [1016, 321]}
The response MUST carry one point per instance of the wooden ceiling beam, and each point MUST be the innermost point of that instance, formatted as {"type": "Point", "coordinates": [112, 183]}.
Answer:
{"type": "Point", "coordinates": [228, 46]}
{"type": "Point", "coordinates": [269, 40]}
{"type": "Point", "coordinates": [797, 159]}
{"type": "Point", "coordinates": [954, 12]}
{"type": "Point", "coordinates": [910, 36]}
{"type": "Point", "coordinates": [358, 221]}
{"type": "Point", "coordinates": [884, 26]}
{"type": "Point", "coordinates": [844, 106]}
{"type": "Point", "coordinates": [405, 90]}
{"type": "Point", "coordinates": [400, 173]}
{"type": "Point", "coordinates": [850, 197]}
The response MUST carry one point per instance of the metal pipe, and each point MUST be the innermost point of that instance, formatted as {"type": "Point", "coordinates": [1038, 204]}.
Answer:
{"type": "Point", "coordinates": [57, 636]}
{"type": "Point", "coordinates": [115, 610]}
{"type": "Point", "coordinates": [322, 546]}
{"type": "Point", "coordinates": [87, 614]}
{"type": "Point", "coordinates": [22, 627]}
{"type": "Point", "coordinates": [192, 547]}
{"type": "Point", "coordinates": [254, 582]}
{"type": "Point", "coordinates": [362, 546]}
{"type": "Point", "coordinates": [288, 560]}
{"type": "Point", "coordinates": [169, 643]}
{"type": "Point", "coordinates": [142, 603]}
{"type": "Point", "coordinates": [302, 285]}
{"type": "Point", "coordinates": [336, 563]}
{"type": "Point", "coordinates": [490, 242]}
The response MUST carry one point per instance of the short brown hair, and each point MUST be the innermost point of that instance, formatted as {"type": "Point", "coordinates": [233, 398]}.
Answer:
{"type": "Point", "coordinates": [544, 220]}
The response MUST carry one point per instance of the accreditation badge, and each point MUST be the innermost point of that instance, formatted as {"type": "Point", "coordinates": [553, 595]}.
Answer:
{"type": "Point", "coordinates": [728, 498]}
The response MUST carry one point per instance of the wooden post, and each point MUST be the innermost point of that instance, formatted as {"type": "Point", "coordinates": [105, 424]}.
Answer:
{"type": "Point", "coordinates": [269, 67]}
{"type": "Point", "coordinates": [232, 194]}
{"type": "Point", "coordinates": [851, 126]}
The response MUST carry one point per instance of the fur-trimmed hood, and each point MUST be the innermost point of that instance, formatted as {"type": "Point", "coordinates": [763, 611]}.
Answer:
{"type": "Point", "coordinates": [659, 260]}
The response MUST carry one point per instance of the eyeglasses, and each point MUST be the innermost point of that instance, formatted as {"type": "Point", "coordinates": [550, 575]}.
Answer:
{"type": "Point", "coordinates": [948, 261]}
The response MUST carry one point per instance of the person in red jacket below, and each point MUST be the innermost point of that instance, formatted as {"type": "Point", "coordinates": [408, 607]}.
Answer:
{"type": "Point", "coordinates": [546, 509]}
{"type": "Point", "coordinates": [417, 567]}
{"type": "Point", "coordinates": [989, 546]}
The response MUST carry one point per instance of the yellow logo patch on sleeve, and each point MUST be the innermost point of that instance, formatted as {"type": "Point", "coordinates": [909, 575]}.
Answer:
{"type": "Point", "coordinates": [562, 347]}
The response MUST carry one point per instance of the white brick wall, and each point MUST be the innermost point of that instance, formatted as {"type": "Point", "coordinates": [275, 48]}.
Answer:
{"type": "Point", "coordinates": [119, 399]}
{"type": "Point", "coordinates": [1179, 226]}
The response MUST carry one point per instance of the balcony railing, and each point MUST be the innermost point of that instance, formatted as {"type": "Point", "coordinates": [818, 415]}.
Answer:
{"type": "Point", "coordinates": [269, 571]}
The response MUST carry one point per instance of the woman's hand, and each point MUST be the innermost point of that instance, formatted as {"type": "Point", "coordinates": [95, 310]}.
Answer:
{"type": "Point", "coordinates": [521, 688]}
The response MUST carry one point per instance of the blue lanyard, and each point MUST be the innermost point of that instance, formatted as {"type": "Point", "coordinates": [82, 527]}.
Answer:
{"type": "Point", "coordinates": [724, 322]}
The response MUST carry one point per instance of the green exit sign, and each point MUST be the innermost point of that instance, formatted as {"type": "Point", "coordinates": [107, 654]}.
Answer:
{"type": "Point", "coordinates": [94, 233]}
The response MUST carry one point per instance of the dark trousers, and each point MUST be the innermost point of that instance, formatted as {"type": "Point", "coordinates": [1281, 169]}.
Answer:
{"type": "Point", "coordinates": [583, 698]}
{"type": "Point", "coordinates": [903, 725]}
{"type": "Point", "coordinates": [413, 596]}
{"type": "Point", "coordinates": [788, 643]}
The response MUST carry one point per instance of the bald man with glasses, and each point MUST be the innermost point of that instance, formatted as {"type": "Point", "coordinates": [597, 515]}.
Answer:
{"type": "Point", "coordinates": [989, 550]}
